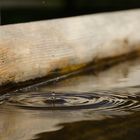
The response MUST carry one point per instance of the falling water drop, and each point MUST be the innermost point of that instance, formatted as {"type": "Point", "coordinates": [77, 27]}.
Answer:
{"type": "Point", "coordinates": [53, 96]}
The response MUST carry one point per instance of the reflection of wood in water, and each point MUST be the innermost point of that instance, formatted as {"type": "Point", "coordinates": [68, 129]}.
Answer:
{"type": "Point", "coordinates": [125, 74]}
{"type": "Point", "coordinates": [18, 124]}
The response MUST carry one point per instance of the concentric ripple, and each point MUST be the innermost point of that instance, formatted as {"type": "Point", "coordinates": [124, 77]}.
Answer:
{"type": "Point", "coordinates": [103, 100]}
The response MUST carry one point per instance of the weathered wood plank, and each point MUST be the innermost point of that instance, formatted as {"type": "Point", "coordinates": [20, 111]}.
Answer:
{"type": "Point", "coordinates": [36, 49]}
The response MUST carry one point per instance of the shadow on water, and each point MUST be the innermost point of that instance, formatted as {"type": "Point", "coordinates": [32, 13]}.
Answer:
{"type": "Point", "coordinates": [101, 106]}
{"type": "Point", "coordinates": [121, 128]}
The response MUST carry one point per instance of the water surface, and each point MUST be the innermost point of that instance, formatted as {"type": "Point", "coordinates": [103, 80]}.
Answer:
{"type": "Point", "coordinates": [100, 106]}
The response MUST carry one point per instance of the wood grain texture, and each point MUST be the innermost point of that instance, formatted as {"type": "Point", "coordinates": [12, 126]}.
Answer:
{"type": "Point", "coordinates": [36, 49]}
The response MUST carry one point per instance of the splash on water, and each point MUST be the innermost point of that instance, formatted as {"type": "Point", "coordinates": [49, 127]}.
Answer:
{"type": "Point", "coordinates": [119, 99]}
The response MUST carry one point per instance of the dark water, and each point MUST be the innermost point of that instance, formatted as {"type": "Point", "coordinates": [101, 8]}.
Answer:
{"type": "Point", "coordinates": [100, 106]}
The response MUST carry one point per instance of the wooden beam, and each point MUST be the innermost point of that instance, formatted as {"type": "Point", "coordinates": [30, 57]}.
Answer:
{"type": "Point", "coordinates": [37, 49]}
